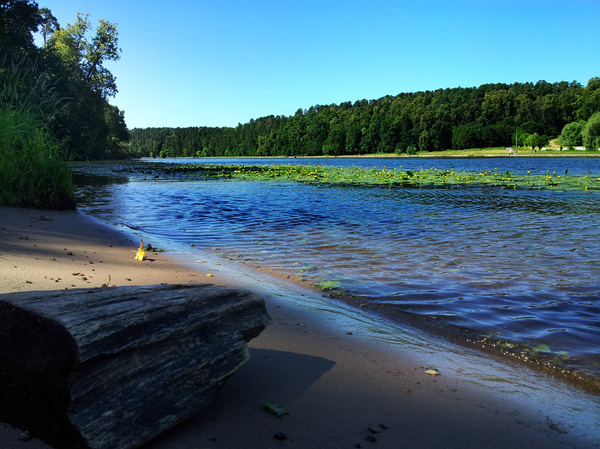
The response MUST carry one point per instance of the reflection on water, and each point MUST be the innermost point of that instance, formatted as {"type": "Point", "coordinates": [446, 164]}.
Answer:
{"type": "Point", "coordinates": [519, 265]}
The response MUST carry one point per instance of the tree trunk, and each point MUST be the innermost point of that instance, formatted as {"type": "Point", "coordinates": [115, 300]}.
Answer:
{"type": "Point", "coordinates": [114, 367]}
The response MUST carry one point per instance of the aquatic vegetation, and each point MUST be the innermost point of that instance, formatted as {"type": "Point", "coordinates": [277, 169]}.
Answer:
{"type": "Point", "coordinates": [432, 177]}
{"type": "Point", "coordinates": [328, 285]}
{"type": "Point", "coordinates": [559, 362]}
{"type": "Point", "coordinates": [543, 348]}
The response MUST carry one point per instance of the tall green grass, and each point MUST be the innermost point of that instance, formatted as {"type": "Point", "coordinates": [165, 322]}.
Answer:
{"type": "Point", "coordinates": [34, 166]}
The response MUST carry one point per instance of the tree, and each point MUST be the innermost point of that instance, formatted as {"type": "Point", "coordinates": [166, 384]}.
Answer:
{"type": "Point", "coordinates": [84, 57]}
{"type": "Point", "coordinates": [49, 24]}
{"type": "Point", "coordinates": [441, 136]}
{"type": "Point", "coordinates": [590, 99]}
{"type": "Point", "coordinates": [352, 144]}
{"type": "Point", "coordinates": [336, 140]}
{"type": "Point", "coordinates": [265, 145]}
{"type": "Point", "coordinates": [116, 132]}
{"type": "Point", "coordinates": [425, 141]}
{"type": "Point", "coordinates": [18, 20]}
{"type": "Point", "coordinates": [76, 55]}
{"type": "Point", "coordinates": [467, 136]}
{"type": "Point", "coordinates": [591, 133]}
{"type": "Point", "coordinates": [460, 118]}
{"type": "Point", "coordinates": [535, 140]}
{"type": "Point", "coordinates": [571, 134]}
{"type": "Point", "coordinates": [72, 66]}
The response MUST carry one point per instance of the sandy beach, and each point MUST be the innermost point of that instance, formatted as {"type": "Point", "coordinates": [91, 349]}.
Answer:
{"type": "Point", "coordinates": [346, 380]}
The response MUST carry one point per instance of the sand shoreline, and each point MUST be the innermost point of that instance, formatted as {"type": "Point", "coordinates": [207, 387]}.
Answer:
{"type": "Point", "coordinates": [464, 338]}
{"type": "Point", "coordinates": [328, 367]}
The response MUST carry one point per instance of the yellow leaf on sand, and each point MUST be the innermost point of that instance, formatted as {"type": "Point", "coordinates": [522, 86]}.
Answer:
{"type": "Point", "coordinates": [210, 275]}
{"type": "Point", "coordinates": [433, 372]}
{"type": "Point", "coordinates": [140, 254]}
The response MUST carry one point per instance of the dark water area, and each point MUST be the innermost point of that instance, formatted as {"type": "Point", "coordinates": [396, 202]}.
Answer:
{"type": "Point", "coordinates": [518, 268]}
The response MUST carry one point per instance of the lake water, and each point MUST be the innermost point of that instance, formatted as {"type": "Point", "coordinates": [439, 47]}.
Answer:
{"type": "Point", "coordinates": [511, 265]}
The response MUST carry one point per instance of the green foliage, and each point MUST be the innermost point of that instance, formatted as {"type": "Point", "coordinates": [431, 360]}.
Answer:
{"type": "Point", "coordinates": [25, 88]}
{"type": "Point", "coordinates": [589, 100]}
{"type": "Point", "coordinates": [319, 174]}
{"type": "Point", "coordinates": [469, 135]}
{"type": "Point", "coordinates": [85, 57]}
{"type": "Point", "coordinates": [76, 55]}
{"type": "Point", "coordinates": [411, 150]}
{"type": "Point", "coordinates": [18, 20]}
{"type": "Point", "coordinates": [33, 168]}
{"type": "Point", "coordinates": [328, 285]}
{"type": "Point", "coordinates": [49, 24]}
{"type": "Point", "coordinates": [571, 135]}
{"type": "Point", "coordinates": [591, 133]}
{"type": "Point", "coordinates": [534, 140]}
{"type": "Point", "coordinates": [74, 59]}
{"type": "Point", "coordinates": [461, 118]}
{"type": "Point", "coordinates": [53, 108]}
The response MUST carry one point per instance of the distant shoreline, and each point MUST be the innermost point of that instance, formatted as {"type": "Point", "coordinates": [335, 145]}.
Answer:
{"type": "Point", "coordinates": [442, 155]}
{"type": "Point", "coordinates": [450, 154]}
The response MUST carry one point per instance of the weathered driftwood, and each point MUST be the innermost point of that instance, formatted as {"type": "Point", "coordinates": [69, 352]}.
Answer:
{"type": "Point", "coordinates": [114, 367]}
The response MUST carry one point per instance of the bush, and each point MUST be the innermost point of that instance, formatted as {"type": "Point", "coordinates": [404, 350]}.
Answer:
{"type": "Point", "coordinates": [571, 135]}
{"type": "Point", "coordinates": [591, 132]}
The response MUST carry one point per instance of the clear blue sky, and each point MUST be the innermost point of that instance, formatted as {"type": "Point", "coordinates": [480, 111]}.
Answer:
{"type": "Point", "coordinates": [224, 62]}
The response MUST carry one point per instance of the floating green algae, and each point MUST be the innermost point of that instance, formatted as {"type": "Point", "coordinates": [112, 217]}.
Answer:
{"type": "Point", "coordinates": [318, 174]}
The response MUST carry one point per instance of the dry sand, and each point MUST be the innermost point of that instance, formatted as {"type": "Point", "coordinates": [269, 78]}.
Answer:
{"type": "Point", "coordinates": [347, 381]}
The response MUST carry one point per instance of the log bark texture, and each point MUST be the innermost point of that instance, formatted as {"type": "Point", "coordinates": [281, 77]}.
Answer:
{"type": "Point", "coordinates": [114, 367]}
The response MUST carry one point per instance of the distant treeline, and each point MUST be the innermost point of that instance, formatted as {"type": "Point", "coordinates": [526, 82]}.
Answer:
{"type": "Point", "coordinates": [490, 115]}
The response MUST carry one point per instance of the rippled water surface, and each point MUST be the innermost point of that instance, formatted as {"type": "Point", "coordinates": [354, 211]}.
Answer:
{"type": "Point", "coordinates": [520, 265]}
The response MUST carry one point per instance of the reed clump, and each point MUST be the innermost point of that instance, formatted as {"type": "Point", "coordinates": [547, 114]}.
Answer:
{"type": "Point", "coordinates": [34, 166]}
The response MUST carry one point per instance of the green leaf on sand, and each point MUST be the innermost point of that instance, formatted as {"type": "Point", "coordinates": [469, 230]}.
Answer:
{"type": "Point", "coordinates": [541, 348]}
{"type": "Point", "coordinates": [325, 285]}
{"type": "Point", "coordinates": [430, 370]}
{"type": "Point", "coordinates": [275, 409]}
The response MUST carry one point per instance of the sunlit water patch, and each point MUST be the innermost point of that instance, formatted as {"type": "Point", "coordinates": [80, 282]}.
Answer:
{"type": "Point", "coordinates": [513, 266]}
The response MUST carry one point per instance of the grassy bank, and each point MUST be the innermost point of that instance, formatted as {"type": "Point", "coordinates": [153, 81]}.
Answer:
{"type": "Point", "coordinates": [554, 151]}
{"type": "Point", "coordinates": [34, 170]}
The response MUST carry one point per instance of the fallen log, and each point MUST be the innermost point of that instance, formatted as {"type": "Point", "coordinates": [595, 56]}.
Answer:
{"type": "Point", "coordinates": [113, 367]}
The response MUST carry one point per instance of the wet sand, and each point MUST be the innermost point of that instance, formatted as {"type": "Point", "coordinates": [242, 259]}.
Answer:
{"type": "Point", "coordinates": [346, 380]}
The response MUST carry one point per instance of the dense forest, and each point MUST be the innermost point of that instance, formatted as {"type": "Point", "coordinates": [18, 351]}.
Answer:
{"type": "Point", "coordinates": [63, 82]}
{"type": "Point", "coordinates": [54, 103]}
{"type": "Point", "coordinates": [490, 115]}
